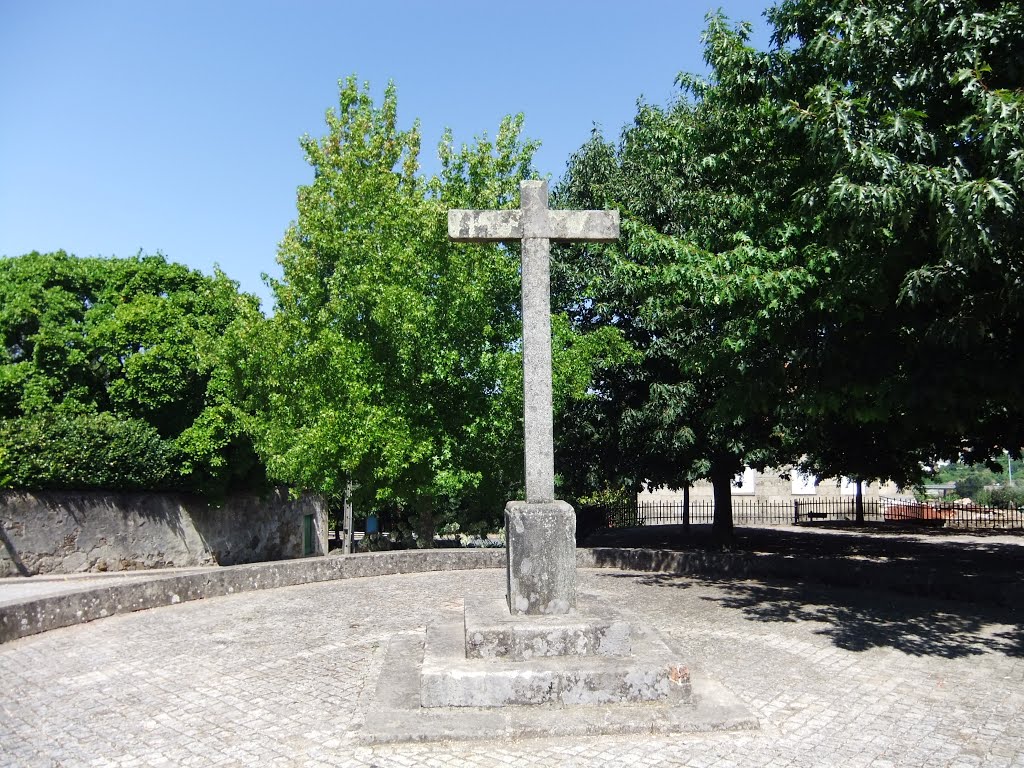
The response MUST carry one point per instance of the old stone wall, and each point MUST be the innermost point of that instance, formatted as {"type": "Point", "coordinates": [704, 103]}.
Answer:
{"type": "Point", "coordinates": [68, 532]}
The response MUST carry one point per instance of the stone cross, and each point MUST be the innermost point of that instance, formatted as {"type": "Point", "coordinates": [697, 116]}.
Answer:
{"type": "Point", "coordinates": [536, 226]}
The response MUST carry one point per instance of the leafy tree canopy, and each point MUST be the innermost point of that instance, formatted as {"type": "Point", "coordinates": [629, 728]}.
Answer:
{"type": "Point", "coordinates": [822, 257]}
{"type": "Point", "coordinates": [704, 283]}
{"type": "Point", "coordinates": [392, 358]}
{"type": "Point", "coordinates": [913, 171]}
{"type": "Point", "coordinates": [107, 376]}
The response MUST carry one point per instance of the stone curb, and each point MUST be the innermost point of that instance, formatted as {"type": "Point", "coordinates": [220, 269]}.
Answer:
{"type": "Point", "coordinates": [69, 608]}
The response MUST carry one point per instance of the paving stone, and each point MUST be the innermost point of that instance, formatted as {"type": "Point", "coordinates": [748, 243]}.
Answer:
{"type": "Point", "coordinates": [835, 676]}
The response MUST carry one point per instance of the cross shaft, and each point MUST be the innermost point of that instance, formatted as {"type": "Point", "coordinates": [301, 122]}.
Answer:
{"type": "Point", "coordinates": [536, 226]}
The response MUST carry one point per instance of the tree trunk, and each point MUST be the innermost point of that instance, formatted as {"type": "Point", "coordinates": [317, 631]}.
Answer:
{"type": "Point", "coordinates": [346, 524]}
{"type": "Point", "coordinates": [686, 508]}
{"type": "Point", "coordinates": [859, 504]}
{"type": "Point", "coordinates": [721, 528]}
{"type": "Point", "coordinates": [424, 523]}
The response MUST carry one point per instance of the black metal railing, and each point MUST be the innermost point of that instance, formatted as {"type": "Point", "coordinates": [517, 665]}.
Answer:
{"type": "Point", "coordinates": [766, 512]}
{"type": "Point", "coordinates": [671, 512]}
{"type": "Point", "coordinates": [836, 508]}
{"type": "Point", "coordinates": [952, 514]}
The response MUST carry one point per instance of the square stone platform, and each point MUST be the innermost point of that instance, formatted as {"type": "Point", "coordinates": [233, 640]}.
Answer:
{"type": "Point", "coordinates": [394, 714]}
{"type": "Point", "coordinates": [449, 679]}
{"type": "Point", "coordinates": [493, 675]}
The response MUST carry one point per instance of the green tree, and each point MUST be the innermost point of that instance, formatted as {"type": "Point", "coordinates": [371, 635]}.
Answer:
{"type": "Point", "coordinates": [969, 486]}
{"type": "Point", "coordinates": [705, 283]}
{"type": "Point", "coordinates": [108, 380]}
{"type": "Point", "coordinates": [913, 169]}
{"type": "Point", "coordinates": [823, 253]}
{"type": "Point", "coordinates": [390, 356]}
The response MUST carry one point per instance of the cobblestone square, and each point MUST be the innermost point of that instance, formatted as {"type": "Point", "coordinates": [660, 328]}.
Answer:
{"type": "Point", "coordinates": [283, 677]}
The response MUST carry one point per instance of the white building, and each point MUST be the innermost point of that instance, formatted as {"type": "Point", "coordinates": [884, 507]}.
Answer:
{"type": "Point", "coordinates": [770, 487]}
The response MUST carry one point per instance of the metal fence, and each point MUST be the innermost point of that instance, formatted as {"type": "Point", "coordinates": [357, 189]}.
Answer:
{"type": "Point", "coordinates": [837, 508]}
{"type": "Point", "coordinates": [625, 515]}
{"type": "Point", "coordinates": [758, 512]}
{"type": "Point", "coordinates": [953, 514]}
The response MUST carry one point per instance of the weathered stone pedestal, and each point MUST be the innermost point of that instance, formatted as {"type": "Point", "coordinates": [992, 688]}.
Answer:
{"type": "Point", "coordinates": [494, 675]}
{"type": "Point", "coordinates": [541, 542]}
{"type": "Point", "coordinates": [543, 661]}
{"type": "Point", "coordinates": [587, 657]}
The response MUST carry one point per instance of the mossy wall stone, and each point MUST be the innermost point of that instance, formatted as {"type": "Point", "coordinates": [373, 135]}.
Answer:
{"type": "Point", "coordinates": [70, 532]}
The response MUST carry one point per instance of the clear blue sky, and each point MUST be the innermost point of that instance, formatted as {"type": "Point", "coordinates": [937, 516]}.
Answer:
{"type": "Point", "coordinates": [174, 126]}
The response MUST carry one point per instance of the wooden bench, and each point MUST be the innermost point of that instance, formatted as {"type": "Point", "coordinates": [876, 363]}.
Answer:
{"type": "Point", "coordinates": [799, 515]}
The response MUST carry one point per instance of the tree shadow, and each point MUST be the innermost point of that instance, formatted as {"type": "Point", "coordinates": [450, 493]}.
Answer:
{"type": "Point", "coordinates": [12, 553]}
{"type": "Point", "coordinates": [862, 619]}
{"type": "Point", "coordinates": [951, 548]}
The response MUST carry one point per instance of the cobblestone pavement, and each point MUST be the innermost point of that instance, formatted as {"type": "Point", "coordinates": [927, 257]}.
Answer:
{"type": "Point", "coordinates": [283, 677]}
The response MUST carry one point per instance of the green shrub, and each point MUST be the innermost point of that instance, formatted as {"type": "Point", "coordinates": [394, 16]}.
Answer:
{"type": "Point", "coordinates": [110, 377]}
{"type": "Point", "coordinates": [85, 451]}
{"type": "Point", "coordinates": [969, 486]}
{"type": "Point", "coordinates": [1007, 496]}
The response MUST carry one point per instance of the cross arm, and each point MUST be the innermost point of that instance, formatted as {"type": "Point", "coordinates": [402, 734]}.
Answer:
{"type": "Point", "coordinates": [594, 226]}
{"type": "Point", "coordinates": [493, 226]}
{"type": "Point", "coordinates": [484, 226]}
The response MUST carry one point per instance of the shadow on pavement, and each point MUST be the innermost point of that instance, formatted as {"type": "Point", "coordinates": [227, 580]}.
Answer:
{"type": "Point", "coordinates": [960, 553]}
{"type": "Point", "coordinates": [859, 620]}
{"type": "Point", "coordinates": [862, 615]}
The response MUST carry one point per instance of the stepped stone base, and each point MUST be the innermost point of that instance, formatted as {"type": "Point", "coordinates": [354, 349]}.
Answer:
{"type": "Point", "coordinates": [394, 713]}
{"type": "Point", "coordinates": [493, 633]}
{"type": "Point", "coordinates": [449, 679]}
{"type": "Point", "coordinates": [495, 675]}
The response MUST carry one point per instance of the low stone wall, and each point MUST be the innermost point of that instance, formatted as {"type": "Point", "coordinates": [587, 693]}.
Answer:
{"type": "Point", "coordinates": [919, 580]}
{"type": "Point", "coordinates": [41, 614]}
{"type": "Point", "coordinates": [29, 617]}
{"type": "Point", "coordinates": [70, 532]}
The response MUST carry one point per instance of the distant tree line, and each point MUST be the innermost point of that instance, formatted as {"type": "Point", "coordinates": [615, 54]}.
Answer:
{"type": "Point", "coordinates": [993, 483]}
